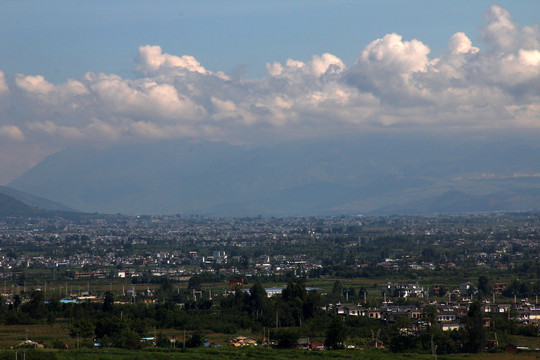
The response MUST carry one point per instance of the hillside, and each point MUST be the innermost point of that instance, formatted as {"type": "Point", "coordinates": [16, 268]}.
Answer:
{"type": "Point", "coordinates": [34, 201]}
{"type": "Point", "coordinates": [13, 207]}
{"type": "Point", "coordinates": [368, 175]}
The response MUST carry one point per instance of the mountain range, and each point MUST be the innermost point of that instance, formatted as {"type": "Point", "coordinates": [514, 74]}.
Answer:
{"type": "Point", "coordinates": [376, 174]}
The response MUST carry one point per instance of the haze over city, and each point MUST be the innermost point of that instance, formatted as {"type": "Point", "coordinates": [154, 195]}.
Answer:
{"type": "Point", "coordinates": [125, 75]}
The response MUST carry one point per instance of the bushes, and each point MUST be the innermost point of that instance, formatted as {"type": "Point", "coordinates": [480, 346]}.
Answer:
{"type": "Point", "coordinates": [286, 337]}
{"type": "Point", "coordinates": [30, 355]}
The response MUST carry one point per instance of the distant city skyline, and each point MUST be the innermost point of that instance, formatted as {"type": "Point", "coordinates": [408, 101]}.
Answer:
{"type": "Point", "coordinates": [103, 73]}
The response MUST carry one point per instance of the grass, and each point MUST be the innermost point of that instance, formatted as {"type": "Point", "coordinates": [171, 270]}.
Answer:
{"type": "Point", "coordinates": [12, 335]}
{"type": "Point", "coordinates": [256, 353]}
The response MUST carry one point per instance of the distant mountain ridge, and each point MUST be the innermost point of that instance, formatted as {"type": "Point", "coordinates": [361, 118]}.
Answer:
{"type": "Point", "coordinates": [366, 175]}
{"type": "Point", "coordinates": [10, 206]}
{"type": "Point", "coordinates": [34, 201]}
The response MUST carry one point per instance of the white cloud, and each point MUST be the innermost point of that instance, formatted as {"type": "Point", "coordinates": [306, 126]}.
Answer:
{"type": "Point", "coordinates": [327, 62]}
{"type": "Point", "coordinates": [4, 89]}
{"type": "Point", "coordinates": [387, 66]}
{"type": "Point", "coordinates": [394, 55]}
{"type": "Point", "coordinates": [274, 69]}
{"type": "Point", "coordinates": [499, 31]}
{"type": "Point", "coordinates": [34, 84]}
{"type": "Point", "coordinates": [393, 84]}
{"type": "Point", "coordinates": [151, 60]}
{"type": "Point", "coordinates": [460, 44]}
{"type": "Point", "coordinates": [11, 132]}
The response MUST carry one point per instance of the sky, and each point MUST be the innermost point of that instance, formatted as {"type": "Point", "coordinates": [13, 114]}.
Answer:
{"type": "Point", "coordinates": [107, 72]}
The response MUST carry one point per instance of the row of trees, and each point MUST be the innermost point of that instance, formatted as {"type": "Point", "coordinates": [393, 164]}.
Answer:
{"type": "Point", "coordinates": [297, 312]}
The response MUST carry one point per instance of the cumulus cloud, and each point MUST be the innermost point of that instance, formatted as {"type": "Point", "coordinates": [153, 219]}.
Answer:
{"type": "Point", "coordinates": [387, 67]}
{"type": "Point", "coordinates": [394, 83]}
{"type": "Point", "coordinates": [11, 132]}
{"type": "Point", "coordinates": [460, 44]}
{"type": "Point", "coordinates": [4, 89]}
{"type": "Point", "coordinates": [34, 84]}
{"type": "Point", "coordinates": [151, 60]}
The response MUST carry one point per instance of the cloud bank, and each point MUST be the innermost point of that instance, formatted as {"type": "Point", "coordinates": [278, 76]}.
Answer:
{"type": "Point", "coordinates": [394, 84]}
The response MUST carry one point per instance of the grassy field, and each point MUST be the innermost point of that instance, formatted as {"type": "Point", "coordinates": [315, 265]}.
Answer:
{"type": "Point", "coordinates": [12, 335]}
{"type": "Point", "coordinates": [245, 353]}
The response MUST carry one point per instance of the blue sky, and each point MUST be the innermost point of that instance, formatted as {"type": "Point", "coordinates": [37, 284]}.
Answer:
{"type": "Point", "coordinates": [246, 72]}
{"type": "Point", "coordinates": [62, 39]}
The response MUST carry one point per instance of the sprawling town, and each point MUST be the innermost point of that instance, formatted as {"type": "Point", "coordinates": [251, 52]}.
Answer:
{"type": "Point", "coordinates": [469, 283]}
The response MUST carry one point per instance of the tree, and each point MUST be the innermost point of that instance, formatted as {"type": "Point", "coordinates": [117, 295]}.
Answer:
{"type": "Point", "coordinates": [51, 319]}
{"type": "Point", "coordinates": [286, 338]}
{"type": "Point", "coordinates": [17, 301]}
{"type": "Point", "coordinates": [36, 306]}
{"type": "Point", "coordinates": [163, 341]}
{"type": "Point", "coordinates": [337, 290]}
{"type": "Point", "coordinates": [257, 297]}
{"type": "Point", "coordinates": [336, 334]}
{"type": "Point", "coordinates": [429, 313]}
{"type": "Point", "coordinates": [196, 340]}
{"type": "Point", "coordinates": [311, 305]}
{"type": "Point", "coordinates": [294, 290]}
{"type": "Point", "coordinates": [474, 326]}
{"type": "Point", "coordinates": [83, 328]}
{"type": "Point", "coordinates": [108, 302]}
{"type": "Point", "coordinates": [484, 287]}
{"type": "Point", "coordinates": [195, 282]}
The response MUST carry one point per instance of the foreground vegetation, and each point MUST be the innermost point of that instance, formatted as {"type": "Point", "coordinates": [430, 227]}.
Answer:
{"type": "Point", "coordinates": [245, 353]}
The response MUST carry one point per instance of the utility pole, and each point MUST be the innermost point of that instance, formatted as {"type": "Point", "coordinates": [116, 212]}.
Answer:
{"type": "Point", "coordinates": [24, 351]}
{"type": "Point", "coordinates": [433, 348]}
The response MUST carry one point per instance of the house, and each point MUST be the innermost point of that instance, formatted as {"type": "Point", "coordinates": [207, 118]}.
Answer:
{"type": "Point", "coordinates": [504, 308]}
{"type": "Point", "coordinates": [306, 344]}
{"type": "Point", "coordinates": [377, 344]}
{"type": "Point", "coordinates": [302, 344]}
{"type": "Point", "coordinates": [465, 289]}
{"type": "Point", "coordinates": [403, 290]}
{"type": "Point", "coordinates": [351, 310]}
{"type": "Point", "coordinates": [374, 313]}
{"type": "Point", "coordinates": [32, 344]}
{"type": "Point", "coordinates": [391, 314]}
{"type": "Point", "coordinates": [449, 326]}
{"type": "Point", "coordinates": [240, 341]}
{"type": "Point", "coordinates": [534, 316]}
{"type": "Point", "coordinates": [316, 345]}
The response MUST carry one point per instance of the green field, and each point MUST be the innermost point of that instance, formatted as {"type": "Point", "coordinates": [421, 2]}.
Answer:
{"type": "Point", "coordinates": [12, 335]}
{"type": "Point", "coordinates": [244, 353]}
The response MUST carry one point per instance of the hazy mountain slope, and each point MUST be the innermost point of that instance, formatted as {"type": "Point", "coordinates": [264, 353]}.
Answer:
{"type": "Point", "coordinates": [373, 174]}
{"type": "Point", "coordinates": [10, 206]}
{"type": "Point", "coordinates": [34, 201]}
